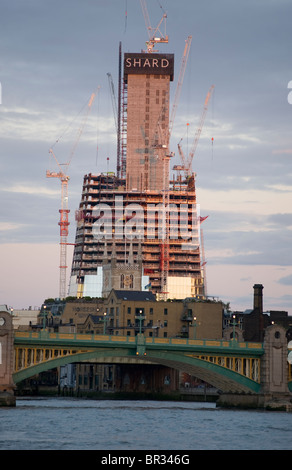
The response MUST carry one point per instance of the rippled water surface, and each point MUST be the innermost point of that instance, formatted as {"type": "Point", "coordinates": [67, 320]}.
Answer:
{"type": "Point", "coordinates": [66, 424]}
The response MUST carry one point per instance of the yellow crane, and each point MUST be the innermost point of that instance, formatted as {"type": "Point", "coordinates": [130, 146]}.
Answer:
{"type": "Point", "coordinates": [64, 211]}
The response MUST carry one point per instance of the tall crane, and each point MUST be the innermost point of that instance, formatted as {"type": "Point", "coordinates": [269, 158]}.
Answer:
{"type": "Point", "coordinates": [64, 211]}
{"type": "Point", "coordinates": [180, 82]}
{"type": "Point", "coordinates": [113, 97]}
{"type": "Point", "coordinates": [154, 34]}
{"type": "Point", "coordinates": [187, 164]}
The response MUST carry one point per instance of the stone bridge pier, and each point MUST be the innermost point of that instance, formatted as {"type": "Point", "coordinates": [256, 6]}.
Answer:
{"type": "Point", "coordinates": [7, 397]}
{"type": "Point", "coordinates": [274, 393]}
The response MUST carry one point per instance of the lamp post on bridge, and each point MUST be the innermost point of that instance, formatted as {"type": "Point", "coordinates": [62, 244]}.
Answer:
{"type": "Point", "coordinates": [233, 331]}
{"type": "Point", "coordinates": [44, 317]}
{"type": "Point", "coordinates": [104, 322]}
{"type": "Point", "coordinates": [195, 327]}
{"type": "Point", "coordinates": [140, 319]}
{"type": "Point", "coordinates": [140, 337]}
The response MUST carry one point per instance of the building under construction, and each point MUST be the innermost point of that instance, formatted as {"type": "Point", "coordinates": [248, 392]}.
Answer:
{"type": "Point", "coordinates": [145, 208]}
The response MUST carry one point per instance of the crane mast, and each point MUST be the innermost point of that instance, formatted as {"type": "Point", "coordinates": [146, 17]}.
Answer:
{"type": "Point", "coordinates": [180, 81]}
{"type": "Point", "coordinates": [64, 211]}
{"type": "Point", "coordinates": [187, 164]}
{"type": "Point", "coordinates": [64, 225]}
{"type": "Point", "coordinates": [113, 97]}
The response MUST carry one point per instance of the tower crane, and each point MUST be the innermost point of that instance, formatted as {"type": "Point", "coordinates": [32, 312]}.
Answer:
{"type": "Point", "coordinates": [180, 82]}
{"type": "Point", "coordinates": [113, 97]}
{"type": "Point", "coordinates": [153, 33]}
{"type": "Point", "coordinates": [64, 211]}
{"type": "Point", "coordinates": [187, 164]}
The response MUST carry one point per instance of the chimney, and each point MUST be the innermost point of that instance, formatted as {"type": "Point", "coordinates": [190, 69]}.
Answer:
{"type": "Point", "coordinates": [258, 297]}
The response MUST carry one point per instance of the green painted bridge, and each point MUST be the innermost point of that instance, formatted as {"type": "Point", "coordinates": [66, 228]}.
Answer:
{"type": "Point", "coordinates": [230, 366]}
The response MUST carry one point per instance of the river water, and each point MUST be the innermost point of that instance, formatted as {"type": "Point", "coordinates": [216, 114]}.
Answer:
{"type": "Point", "coordinates": [78, 424]}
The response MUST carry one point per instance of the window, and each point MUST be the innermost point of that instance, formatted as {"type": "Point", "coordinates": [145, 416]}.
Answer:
{"type": "Point", "coordinates": [165, 311]}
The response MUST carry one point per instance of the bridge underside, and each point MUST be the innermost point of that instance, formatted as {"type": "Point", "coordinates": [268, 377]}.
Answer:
{"type": "Point", "coordinates": [220, 377]}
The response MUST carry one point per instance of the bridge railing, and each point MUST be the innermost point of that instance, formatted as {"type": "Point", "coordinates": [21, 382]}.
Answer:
{"type": "Point", "coordinates": [100, 338]}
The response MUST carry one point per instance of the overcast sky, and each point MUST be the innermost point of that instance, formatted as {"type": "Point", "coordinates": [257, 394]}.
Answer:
{"type": "Point", "coordinates": [55, 54]}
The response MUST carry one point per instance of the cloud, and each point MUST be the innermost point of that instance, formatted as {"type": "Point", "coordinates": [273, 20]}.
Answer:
{"type": "Point", "coordinates": [7, 226]}
{"type": "Point", "coordinates": [36, 190]}
{"type": "Point", "coordinates": [287, 281]}
{"type": "Point", "coordinates": [282, 151]}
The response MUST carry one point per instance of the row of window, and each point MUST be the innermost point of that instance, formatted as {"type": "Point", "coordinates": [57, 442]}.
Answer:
{"type": "Point", "coordinates": [138, 311]}
{"type": "Point", "coordinates": [141, 311]}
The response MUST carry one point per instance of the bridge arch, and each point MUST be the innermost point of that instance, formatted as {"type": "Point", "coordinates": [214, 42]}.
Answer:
{"type": "Point", "coordinates": [220, 377]}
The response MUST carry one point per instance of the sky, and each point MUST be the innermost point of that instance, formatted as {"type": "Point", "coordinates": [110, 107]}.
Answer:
{"type": "Point", "coordinates": [55, 54]}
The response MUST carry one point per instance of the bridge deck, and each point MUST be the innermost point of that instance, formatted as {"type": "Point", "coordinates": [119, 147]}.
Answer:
{"type": "Point", "coordinates": [91, 340]}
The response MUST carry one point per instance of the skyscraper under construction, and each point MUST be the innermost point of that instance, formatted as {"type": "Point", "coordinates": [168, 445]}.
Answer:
{"type": "Point", "coordinates": [141, 214]}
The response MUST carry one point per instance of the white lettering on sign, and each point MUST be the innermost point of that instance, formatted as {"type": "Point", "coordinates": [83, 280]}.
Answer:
{"type": "Point", "coordinates": [146, 63]}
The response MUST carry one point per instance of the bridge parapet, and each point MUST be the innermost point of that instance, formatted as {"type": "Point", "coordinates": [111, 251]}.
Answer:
{"type": "Point", "coordinates": [46, 338]}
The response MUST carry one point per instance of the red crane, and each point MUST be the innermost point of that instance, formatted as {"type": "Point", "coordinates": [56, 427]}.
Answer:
{"type": "Point", "coordinates": [64, 211]}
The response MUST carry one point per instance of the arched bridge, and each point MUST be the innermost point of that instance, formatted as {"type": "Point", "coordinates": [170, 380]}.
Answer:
{"type": "Point", "coordinates": [230, 366]}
